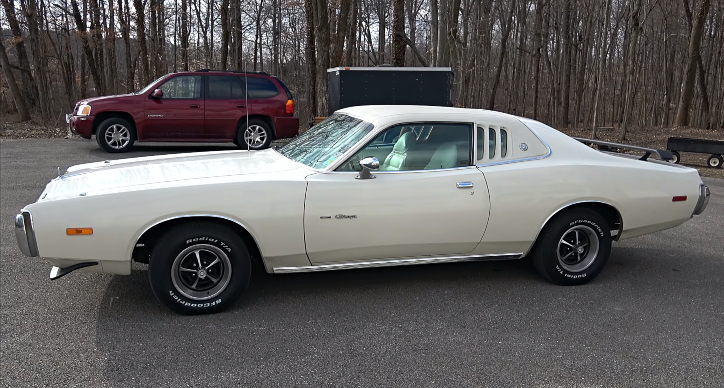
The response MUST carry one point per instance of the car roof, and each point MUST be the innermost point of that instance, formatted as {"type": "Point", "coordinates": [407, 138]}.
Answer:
{"type": "Point", "coordinates": [376, 112]}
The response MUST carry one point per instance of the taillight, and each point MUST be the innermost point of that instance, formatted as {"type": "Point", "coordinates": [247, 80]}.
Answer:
{"type": "Point", "coordinates": [290, 106]}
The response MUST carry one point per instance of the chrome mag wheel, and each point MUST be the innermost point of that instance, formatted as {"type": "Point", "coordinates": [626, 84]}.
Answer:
{"type": "Point", "coordinates": [578, 248]}
{"type": "Point", "coordinates": [201, 272]}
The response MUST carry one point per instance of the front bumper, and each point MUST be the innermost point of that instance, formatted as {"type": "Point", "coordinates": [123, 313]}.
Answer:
{"type": "Point", "coordinates": [80, 125]}
{"type": "Point", "coordinates": [25, 235]}
{"type": "Point", "coordinates": [704, 194]}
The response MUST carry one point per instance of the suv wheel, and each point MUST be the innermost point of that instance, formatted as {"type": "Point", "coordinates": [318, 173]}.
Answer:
{"type": "Point", "coordinates": [255, 136]}
{"type": "Point", "coordinates": [115, 135]}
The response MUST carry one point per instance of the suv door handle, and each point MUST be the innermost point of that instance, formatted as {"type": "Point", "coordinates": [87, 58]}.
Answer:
{"type": "Point", "coordinates": [464, 185]}
{"type": "Point", "coordinates": [196, 106]}
{"type": "Point", "coordinates": [241, 106]}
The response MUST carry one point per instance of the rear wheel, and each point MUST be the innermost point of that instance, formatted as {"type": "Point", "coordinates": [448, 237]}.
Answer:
{"type": "Point", "coordinates": [715, 161]}
{"type": "Point", "coordinates": [115, 135]}
{"type": "Point", "coordinates": [573, 248]}
{"type": "Point", "coordinates": [256, 135]}
{"type": "Point", "coordinates": [199, 268]}
{"type": "Point", "coordinates": [677, 157]}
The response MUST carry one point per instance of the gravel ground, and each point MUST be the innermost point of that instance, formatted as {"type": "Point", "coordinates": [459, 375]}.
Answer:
{"type": "Point", "coordinates": [653, 318]}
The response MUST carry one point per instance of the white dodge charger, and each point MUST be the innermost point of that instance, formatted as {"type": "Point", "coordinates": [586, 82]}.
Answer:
{"type": "Point", "coordinates": [369, 186]}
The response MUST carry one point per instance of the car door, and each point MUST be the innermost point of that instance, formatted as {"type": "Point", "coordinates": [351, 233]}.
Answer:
{"type": "Point", "coordinates": [179, 114]}
{"type": "Point", "coordinates": [427, 199]}
{"type": "Point", "coordinates": [226, 106]}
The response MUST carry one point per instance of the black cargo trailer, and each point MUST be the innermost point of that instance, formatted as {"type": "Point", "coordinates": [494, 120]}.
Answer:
{"type": "Point", "coordinates": [388, 85]}
{"type": "Point", "coordinates": [703, 146]}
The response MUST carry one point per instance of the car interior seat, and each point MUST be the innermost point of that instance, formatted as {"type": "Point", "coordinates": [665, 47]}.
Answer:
{"type": "Point", "coordinates": [445, 156]}
{"type": "Point", "coordinates": [397, 159]}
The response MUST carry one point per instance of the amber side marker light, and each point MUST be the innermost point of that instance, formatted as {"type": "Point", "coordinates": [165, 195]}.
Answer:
{"type": "Point", "coordinates": [679, 198]}
{"type": "Point", "coordinates": [290, 106]}
{"type": "Point", "coordinates": [78, 231]}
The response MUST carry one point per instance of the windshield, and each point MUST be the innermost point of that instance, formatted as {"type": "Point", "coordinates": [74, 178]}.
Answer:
{"type": "Point", "coordinates": [322, 144]}
{"type": "Point", "coordinates": [148, 87]}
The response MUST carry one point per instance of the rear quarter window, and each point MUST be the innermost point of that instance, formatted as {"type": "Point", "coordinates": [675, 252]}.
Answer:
{"type": "Point", "coordinates": [260, 88]}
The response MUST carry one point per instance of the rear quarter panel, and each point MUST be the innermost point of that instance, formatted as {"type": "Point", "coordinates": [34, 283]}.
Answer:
{"type": "Point", "coordinates": [524, 195]}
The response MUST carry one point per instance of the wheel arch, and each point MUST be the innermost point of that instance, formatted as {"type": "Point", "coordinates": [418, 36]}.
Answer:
{"type": "Point", "coordinates": [99, 118]}
{"type": "Point", "coordinates": [144, 244]}
{"type": "Point", "coordinates": [607, 211]}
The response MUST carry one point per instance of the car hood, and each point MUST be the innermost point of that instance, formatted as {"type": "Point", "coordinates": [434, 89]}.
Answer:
{"type": "Point", "coordinates": [103, 98]}
{"type": "Point", "coordinates": [167, 170]}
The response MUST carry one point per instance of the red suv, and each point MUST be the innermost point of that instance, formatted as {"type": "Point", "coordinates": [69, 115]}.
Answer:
{"type": "Point", "coordinates": [247, 108]}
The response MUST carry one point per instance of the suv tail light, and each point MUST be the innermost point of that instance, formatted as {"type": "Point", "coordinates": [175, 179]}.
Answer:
{"type": "Point", "coordinates": [290, 106]}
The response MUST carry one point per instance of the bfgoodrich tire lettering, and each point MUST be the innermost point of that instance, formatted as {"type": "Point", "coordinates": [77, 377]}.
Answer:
{"type": "Point", "coordinates": [199, 268]}
{"type": "Point", "coordinates": [573, 248]}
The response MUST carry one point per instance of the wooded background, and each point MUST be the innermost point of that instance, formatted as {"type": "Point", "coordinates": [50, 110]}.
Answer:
{"type": "Point", "coordinates": [568, 63]}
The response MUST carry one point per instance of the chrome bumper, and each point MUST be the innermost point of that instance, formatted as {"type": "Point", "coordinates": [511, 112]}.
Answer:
{"type": "Point", "coordinates": [25, 235]}
{"type": "Point", "coordinates": [704, 194]}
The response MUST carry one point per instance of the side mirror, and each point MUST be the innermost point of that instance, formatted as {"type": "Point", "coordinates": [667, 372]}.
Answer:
{"type": "Point", "coordinates": [369, 163]}
{"type": "Point", "coordinates": [158, 93]}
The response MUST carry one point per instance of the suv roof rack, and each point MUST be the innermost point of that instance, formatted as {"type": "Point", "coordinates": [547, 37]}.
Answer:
{"type": "Point", "coordinates": [232, 71]}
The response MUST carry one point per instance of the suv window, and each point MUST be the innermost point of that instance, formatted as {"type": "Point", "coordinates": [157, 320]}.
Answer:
{"type": "Point", "coordinates": [423, 146]}
{"type": "Point", "coordinates": [224, 87]}
{"type": "Point", "coordinates": [185, 86]}
{"type": "Point", "coordinates": [260, 88]}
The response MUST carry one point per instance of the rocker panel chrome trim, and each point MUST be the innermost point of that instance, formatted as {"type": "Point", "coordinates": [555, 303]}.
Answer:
{"type": "Point", "coordinates": [398, 262]}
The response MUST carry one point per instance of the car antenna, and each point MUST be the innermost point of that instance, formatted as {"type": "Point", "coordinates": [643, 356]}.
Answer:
{"type": "Point", "coordinates": [246, 94]}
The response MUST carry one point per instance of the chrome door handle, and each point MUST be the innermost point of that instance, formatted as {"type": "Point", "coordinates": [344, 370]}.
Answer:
{"type": "Point", "coordinates": [464, 185]}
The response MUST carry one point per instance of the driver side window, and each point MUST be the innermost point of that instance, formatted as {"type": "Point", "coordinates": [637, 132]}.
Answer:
{"type": "Point", "coordinates": [188, 86]}
{"type": "Point", "coordinates": [417, 146]}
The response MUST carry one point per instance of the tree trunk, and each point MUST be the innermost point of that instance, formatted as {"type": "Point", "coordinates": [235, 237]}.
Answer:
{"type": "Point", "coordinates": [338, 41]}
{"type": "Point", "coordinates": [141, 40]}
{"type": "Point", "coordinates": [566, 44]}
{"type": "Point", "coordinates": [10, 77]}
{"type": "Point", "coordinates": [224, 33]}
{"type": "Point", "coordinates": [349, 53]}
{"type": "Point", "coordinates": [34, 22]}
{"type": "Point", "coordinates": [537, 55]}
{"type": "Point", "coordinates": [503, 48]}
{"type": "Point", "coordinates": [29, 88]}
{"type": "Point", "coordinates": [309, 6]}
{"type": "Point", "coordinates": [687, 89]}
{"type": "Point", "coordinates": [398, 26]}
{"type": "Point", "coordinates": [599, 75]}
{"type": "Point", "coordinates": [322, 45]}
{"type": "Point", "coordinates": [443, 49]}
{"type": "Point", "coordinates": [184, 36]}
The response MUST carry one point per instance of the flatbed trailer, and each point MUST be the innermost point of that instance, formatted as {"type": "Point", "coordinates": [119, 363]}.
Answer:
{"type": "Point", "coordinates": [703, 146]}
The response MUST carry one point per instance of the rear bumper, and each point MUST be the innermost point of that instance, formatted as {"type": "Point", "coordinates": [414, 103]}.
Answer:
{"type": "Point", "coordinates": [81, 125]}
{"type": "Point", "coordinates": [704, 194]}
{"type": "Point", "coordinates": [286, 127]}
{"type": "Point", "coordinates": [25, 235]}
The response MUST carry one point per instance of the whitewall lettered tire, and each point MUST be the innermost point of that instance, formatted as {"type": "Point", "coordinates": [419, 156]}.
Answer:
{"type": "Point", "coordinates": [573, 247]}
{"type": "Point", "coordinates": [199, 268]}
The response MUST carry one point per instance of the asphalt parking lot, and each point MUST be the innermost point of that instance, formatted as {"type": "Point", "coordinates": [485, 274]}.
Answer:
{"type": "Point", "coordinates": [653, 318]}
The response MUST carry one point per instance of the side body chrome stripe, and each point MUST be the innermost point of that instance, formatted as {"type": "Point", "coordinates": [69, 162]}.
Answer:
{"type": "Point", "coordinates": [396, 262]}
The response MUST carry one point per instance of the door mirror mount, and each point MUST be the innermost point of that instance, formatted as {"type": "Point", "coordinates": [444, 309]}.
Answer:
{"type": "Point", "coordinates": [158, 93]}
{"type": "Point", "coordinates": [368, 164]}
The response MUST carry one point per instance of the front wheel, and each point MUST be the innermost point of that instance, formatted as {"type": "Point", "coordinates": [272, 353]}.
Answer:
{"type": "Point", "coordinates": [256, 135]}
{"type": "Point", "coordinates": [573, 248]}
{"type": "Point", "coordinates": [115, 135]}
{"type": "Point", "coordinates": [199, 268]}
